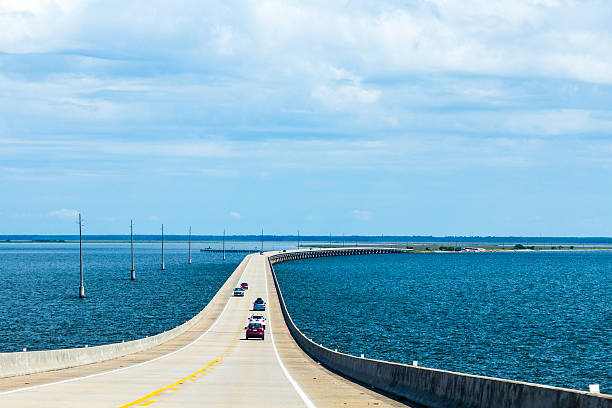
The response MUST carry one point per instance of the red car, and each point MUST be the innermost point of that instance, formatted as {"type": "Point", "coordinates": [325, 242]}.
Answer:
{"type": "Point", "coordinates": [255, 331]}
{"type": "Point", "coordinates": [244, 285]}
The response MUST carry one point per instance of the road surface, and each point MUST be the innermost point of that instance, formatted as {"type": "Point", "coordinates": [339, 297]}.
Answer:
{"type": "Point", "coordinates": [212, 365]}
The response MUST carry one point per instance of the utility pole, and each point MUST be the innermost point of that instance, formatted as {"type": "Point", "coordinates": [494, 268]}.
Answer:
{"type": "Point", "coordinates": [298, 239]}
{"type": "Point", "coordinates": [189, 259]}
{"type": "Point", "coordinates": [132, 268]}
{"type": "Point", "coordinates": [330, 240]}
{"type": "Point", "coordinates": [82, 280]}
{"type": "Point", "coordinates": [262, 240]}
{"type": "Point", "coordinates": [163, 265]}
{"type": "Point", "coordinates": [223, 245]}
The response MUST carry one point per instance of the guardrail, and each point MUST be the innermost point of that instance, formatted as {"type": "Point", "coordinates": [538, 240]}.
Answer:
{"type": "Point", "coordinates": [30, 362]}
{"type": "Point", "coordinates": [427, 386]}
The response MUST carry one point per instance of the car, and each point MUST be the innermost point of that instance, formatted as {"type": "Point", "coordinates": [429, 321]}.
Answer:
{"type": "Point", "coordinates": [259, 305]}
{"type": "Point", "coordinates": [244, 285]}
{"type": "Point", "coordinates": [258, 319]}
{"type": "Point", "coordinates": [255, 331]}
{"type": "Point", "coordinates": [238, 292]}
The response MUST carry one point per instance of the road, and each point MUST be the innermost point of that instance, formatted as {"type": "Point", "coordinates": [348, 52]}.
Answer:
{"type": "Point", "coordinates": [216, 368]}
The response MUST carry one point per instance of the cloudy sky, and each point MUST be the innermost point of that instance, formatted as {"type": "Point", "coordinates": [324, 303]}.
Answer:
{"type": "Point", "coordinates": [379, 116]}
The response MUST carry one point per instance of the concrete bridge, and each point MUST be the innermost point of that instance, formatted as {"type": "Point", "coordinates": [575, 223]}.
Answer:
{"type": "Point", "coordinates": [207, 362]}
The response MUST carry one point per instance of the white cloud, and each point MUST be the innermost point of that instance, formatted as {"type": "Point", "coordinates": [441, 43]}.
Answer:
{"type": "Point", "coordinates": [235, 215]}
{"type": "Point", "coordinates": [345, 96]}
{"type": "Point", "coordinates": [558, 122]}
{"type": "Point", "coordinates": [566, 37]}
{"type": "Point", "coordinates": [64, 214]}
{"type": "Point", "coordinates": [477, 36]}
{"type": "Point", "coordinates": [37, 25]}
{"type": "Point", "coordinates": [395, 155]}
{"type": "Point", "coordinates": [362, 215]}
{"type": "Point", "coordinates": [306, 65]}
{"type": "Point", "coordinates": [327, 90]}
{"type": "Point", "coordinates": [211, 75]}
{"type": "Point", "coordinates": [224, 40]}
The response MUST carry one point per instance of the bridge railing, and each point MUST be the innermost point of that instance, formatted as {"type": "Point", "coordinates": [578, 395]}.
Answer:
{"type": "Point", "coordinates": [319, 253]}
{"type": "Point", "coordinates": [427, 386]}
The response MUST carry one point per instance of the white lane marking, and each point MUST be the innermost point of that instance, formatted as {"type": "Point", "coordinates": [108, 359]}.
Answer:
{"type": "Point", "coordinates": [294, 383]}
{"type": "Point", "coordinates": [144, 362]}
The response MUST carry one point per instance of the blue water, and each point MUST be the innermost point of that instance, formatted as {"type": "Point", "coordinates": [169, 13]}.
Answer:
{"type": "Point", "coordinates": [40, 308]}
{"type": "Point", "coordinates": [540, 317]}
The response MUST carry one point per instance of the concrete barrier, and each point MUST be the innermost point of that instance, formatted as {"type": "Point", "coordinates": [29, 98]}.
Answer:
{"type": "Point", "coordinates": [30, 362]}
{"type": "Point", "coordinates": [426, 386]}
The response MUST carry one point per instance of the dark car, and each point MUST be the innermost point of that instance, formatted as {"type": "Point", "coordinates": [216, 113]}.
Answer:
{"type": "Point", "coordinates": [259, 305]}
{"type": "Point", "coordinates": [255, 331]}
{"type": "Point", "coordinates": [244, 285]}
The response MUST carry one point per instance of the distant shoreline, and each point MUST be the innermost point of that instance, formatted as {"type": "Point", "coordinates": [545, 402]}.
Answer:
{"type": "Point", "coordinates": [336, 239]}
{"type": "Point", "coordinates": [253, 244]}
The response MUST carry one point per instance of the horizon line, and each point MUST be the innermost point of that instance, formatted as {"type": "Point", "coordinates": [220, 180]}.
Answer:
{"type": "Point", "coordinates": [325, 236]}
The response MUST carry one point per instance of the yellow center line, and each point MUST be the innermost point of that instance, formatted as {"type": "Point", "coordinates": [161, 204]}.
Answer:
{"type": "Point", "coordinates": [147, 399]}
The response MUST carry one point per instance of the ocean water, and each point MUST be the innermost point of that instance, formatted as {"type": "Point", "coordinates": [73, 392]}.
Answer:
{"type": "Point", "coordinates": [40, 308]}
{"type": "Point", "coordinates": [543, 317]}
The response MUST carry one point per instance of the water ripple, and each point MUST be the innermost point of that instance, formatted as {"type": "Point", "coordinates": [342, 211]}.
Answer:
{"type": "Point", "coordinates": [538, 317]}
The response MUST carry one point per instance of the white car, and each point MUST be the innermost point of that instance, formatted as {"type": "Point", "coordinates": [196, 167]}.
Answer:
{"type": "Point", "coordinates": [258, 319]}
{"type": "Point", "coordinates": [238, 292]}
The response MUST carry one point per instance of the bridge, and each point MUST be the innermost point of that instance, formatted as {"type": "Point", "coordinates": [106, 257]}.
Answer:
{"type": "Point", "coordinates": [207, 362]}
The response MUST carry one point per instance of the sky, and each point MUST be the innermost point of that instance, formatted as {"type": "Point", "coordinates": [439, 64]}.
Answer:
{"type": "Point", "coordinates": [405, 117]}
